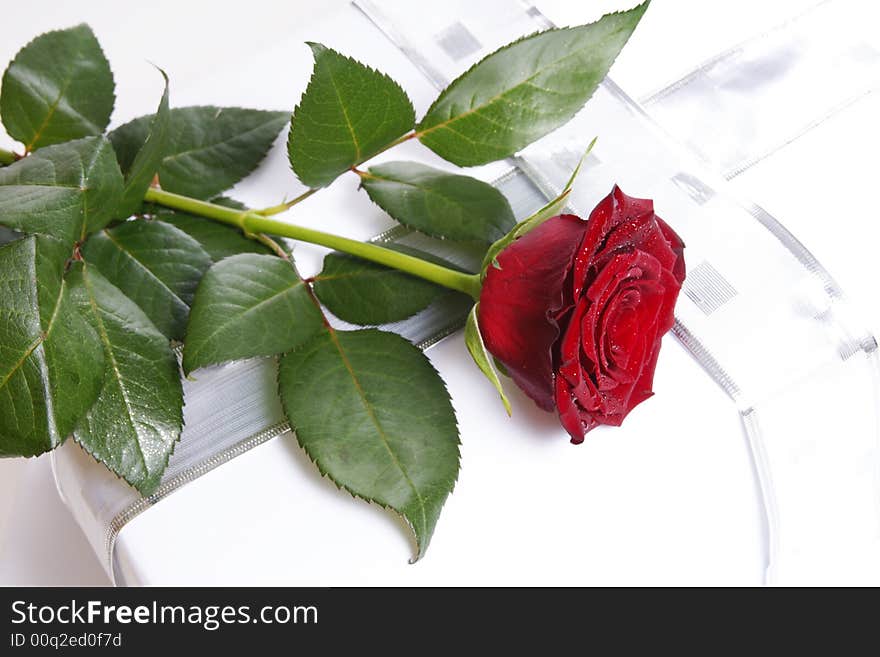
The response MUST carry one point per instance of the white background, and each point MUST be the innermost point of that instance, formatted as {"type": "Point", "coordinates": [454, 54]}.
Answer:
{"type": "Point", "coordinates": [39, 542]}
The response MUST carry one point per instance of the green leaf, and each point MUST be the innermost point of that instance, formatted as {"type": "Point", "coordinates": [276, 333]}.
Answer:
{"type": "Point", "coordinates": [477, 348]}
{"type": "Point", "coordinates": [65, 191]}
{"type": "Point", "coordinates": [156, 265]}
{"type": "Point", "coordinates": [374, 415]}
{"type": "Point", "coordinates": [550, 209]}
{"type": "Point", "coordinates": [438, 203]}
{"type": "Point", "coordinates": [51, 361]}
{"type": "Point", "coordinates": [218, 240]}
{"type": "Point", "coordinates": [248, 305]}
{"type": "Point", "coordinates": [361, 292]}
{"type": "Point", "coordinates": [148, 159]}
{"type": "Point", "coordinates": [136, 421]}
{"type": "Point", "coordinates": [209, 148]}
{"type": "Point", "coordinates": [348, 113]}
{"type": "Point", "coordinates": [524, 90]}
{"type": "Point", "coordinates": [59, 87]}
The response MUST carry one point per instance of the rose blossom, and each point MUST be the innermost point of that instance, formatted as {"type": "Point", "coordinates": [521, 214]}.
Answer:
{"type": "Point", "coordinates": [575, 310]}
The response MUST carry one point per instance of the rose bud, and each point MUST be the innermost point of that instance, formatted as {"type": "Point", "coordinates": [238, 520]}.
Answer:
{"type": "Point", "coordinates": [575, 310]}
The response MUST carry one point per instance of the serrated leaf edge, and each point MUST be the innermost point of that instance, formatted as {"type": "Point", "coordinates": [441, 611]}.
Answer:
{"type": "Point", "coordinates": [144, 491]}
{"type": "Point", "coordinates": [313, 45]}
{"type": "Point", "coordinates": [277, 115]}
{"type": "Point", "coordinates": [421, 542]}
{"type": "Point", "coordinates": [55, 440]}
{"type": "Point", "coordinates": [421, 130]}
{"type": "Point", "coordinates": [29, 147]}
{"type": "Point", "coordinates": [240, 135]}
{"type": "Point", "coordinates": [371, 174]}
{"type": "Point", "coordinates": [299, 281]}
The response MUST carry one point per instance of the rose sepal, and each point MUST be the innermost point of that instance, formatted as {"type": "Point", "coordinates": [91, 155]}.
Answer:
{"type": "Point", "coordinates": [477, 348]}
{"type": "Point", "coordinates": [576, 309]}
{"type": "Point", "coordinates": [486, 362]}
{"type": "Point", "coordinates": [551, 209]}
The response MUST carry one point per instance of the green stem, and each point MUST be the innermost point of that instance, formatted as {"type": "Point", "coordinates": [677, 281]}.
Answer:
{"type": "Point", "coordinates": [253, 222]}
{"type": "Point", "coordinates": [6, 157]}
{"type": "Point", "coordinates": [399, 140]}
{"type": "Point", "coordinates": [284, 207]}
{"type": "Point", "coordinates": [270, 244]}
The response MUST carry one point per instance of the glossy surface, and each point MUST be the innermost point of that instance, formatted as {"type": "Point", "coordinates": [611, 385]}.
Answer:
{"type": "Point", "coordinates": [58, 87]}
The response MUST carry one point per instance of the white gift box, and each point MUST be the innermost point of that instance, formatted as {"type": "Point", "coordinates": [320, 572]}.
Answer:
{"type": "Point", "coordinates": [743, 460]}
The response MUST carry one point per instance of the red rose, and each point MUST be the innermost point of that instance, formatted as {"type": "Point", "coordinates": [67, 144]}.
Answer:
{"type": "Point", "coordinates": [577, 309]}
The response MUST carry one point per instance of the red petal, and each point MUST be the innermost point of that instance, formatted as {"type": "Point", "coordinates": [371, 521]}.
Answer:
{"type": "Point", "coordinates": [677, 246]}
{"type": "Point", "coordinates": [643, 389]}
{"type": "Point", "coordinates": [570, 346]}
{"type": "Point", "coordinates": [520, 301]}
{"type": "Point", "coordinates": [574, 420]}
{"type": "Point", "coordinates": [609, 287]}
